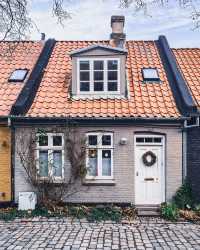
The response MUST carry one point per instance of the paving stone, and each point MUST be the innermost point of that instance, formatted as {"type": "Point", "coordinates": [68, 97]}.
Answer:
{"type": "Point", "coordinates": [55, 233]}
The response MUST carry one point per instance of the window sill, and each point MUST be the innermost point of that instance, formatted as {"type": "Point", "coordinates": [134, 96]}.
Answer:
{"type": "Point", "coordinates": [99, 182]}
{"type": "Point", "coordinates": [98, 96]}
{"type": "Point", "coordinates": [47, 180]}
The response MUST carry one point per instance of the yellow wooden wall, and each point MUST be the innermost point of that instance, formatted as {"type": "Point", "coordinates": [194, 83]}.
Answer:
{"type": "Point", "coordinates": [5, 164]}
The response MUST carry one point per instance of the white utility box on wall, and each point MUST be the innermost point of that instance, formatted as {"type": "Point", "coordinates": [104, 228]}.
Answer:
{"type": "Point", "coordinates": [27, 201]}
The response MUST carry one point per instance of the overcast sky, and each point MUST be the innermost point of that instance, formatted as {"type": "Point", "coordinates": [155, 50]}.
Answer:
{"type": "Point", "coordinates": [91, 20]}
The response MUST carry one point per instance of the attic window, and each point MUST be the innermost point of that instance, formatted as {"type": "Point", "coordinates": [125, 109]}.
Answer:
{"type": "Point", "coordinates": [98, 75]}
{"type": "Point", "coordinates": [150, 75]}
{"type": "Point", "coordinates": [18, 75]}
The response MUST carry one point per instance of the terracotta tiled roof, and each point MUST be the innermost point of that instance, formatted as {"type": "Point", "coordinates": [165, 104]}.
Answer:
{"type": "Point", "coordinates": [189, 64]}
{"type": "Point", "coordinates": [145, 100]}
{"type": "Point", "coordinates": [15, 55]}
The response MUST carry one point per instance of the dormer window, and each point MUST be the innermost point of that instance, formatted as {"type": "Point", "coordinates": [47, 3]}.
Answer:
{"type": "Point", "coordinates": [18, 75]}
{"type": "Point", "coordinates": [98, 75]}
{"type": "Point", "coordinates": [150, 75]}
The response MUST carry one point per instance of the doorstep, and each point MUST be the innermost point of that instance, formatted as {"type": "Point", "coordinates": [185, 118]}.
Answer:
{"type": "Point", "coordinates": [148, 210]}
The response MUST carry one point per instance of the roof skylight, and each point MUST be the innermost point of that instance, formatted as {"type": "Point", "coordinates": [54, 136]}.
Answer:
{"type": "Point", "coordinates": [150, 74]}
{"type": "Point", "coordinates": [18, 75]}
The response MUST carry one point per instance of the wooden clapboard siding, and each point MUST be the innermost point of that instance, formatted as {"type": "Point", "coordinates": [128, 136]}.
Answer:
{"type": "Point", "coordinates": [5, 164]}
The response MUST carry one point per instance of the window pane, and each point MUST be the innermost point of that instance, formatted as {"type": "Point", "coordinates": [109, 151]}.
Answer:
{"type": "Point", "coordinates": [157, 140]}
{"type": "Point", "coordinates": [148, 139]}
{"type": "Point", "coordinates": [140, 139]}
{"type": "Point", "coordinates": [106, 162]}
{"type": "Point", "coordinates": [98, 65]}
{"type": "Point", "coordinates": [92, 139]}
{"type": "Point", "coordinates": [106, 140]}
{"type": "Point", "coordinates": [57, 140]}
{"type": "Point", "coordinates": [43, 140]}
{"type": "Point", "coordinates": [84, 76]}
{"type": "Point", "coordinates": [112, 64]}
{"type": "Point", "coordinates": [18, 75]}
{"type": "Point", "coordinates": [112, 86]}
{"type": "Point", "coordinates": [84, 65]}
{"type": "Point", "coordinates": [43, 163]}
{"type": "Point", "coordinates": [98, 86]}
{"type": "Point", "coordinates": [112, 75]}
{"type": "Point", "coordinates": [150, 74]}
{"type": "Point", "coordinates": [57, 163]}
{"type": "Point", "coordinates": [92, 168]}
{"type": "Point", "coordinates": [84, 86]}
{"type": "Point", "coordinates": [98, 75]}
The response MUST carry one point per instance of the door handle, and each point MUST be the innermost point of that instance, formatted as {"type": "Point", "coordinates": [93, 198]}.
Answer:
{"type": "Point", "coordinates": [137, 173]}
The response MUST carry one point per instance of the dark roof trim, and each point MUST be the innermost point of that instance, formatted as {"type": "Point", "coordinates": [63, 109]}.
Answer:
{"type": "Point", "coordinates": [178, 85]}
{"type": "Point", "coordinates": [3, 120]}
{"type": "Point", "coordinates": [98, 46]}
{"type": "Point", "coordinates": [21, 121]}
{"type": "Point", "coordinates": [29, 90]}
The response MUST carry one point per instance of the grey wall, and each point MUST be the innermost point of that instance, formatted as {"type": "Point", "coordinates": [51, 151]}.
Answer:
{"type": "Point", "coordinates": [193, 160]}
{"type": "Point", "coordinates": [122, 188]}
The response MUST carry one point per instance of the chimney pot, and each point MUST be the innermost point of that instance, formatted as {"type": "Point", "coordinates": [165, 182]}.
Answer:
{"type": "Point", "coordinates": [43, 36]}
{"type": "Point", "coordinates": [117, 37]}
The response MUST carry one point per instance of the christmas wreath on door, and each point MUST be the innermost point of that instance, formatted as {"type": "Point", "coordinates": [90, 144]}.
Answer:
{"type": "Point", "coordinates": [149, 158]}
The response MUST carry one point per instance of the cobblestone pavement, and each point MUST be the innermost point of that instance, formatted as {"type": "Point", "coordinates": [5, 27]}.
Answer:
{"type": "Point", "coordinates": [143, 233]}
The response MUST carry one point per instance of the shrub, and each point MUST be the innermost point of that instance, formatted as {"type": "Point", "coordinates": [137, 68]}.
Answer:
{"type": "Point", "coordinates": [169, 211]}
{"type": "Point", "coordinates": [183, 197]}
{"type": "Point", "coordinates": [104, 213]}
{"type": "Point", "coordinates": [91, 212]}
{"type": "Point", "coordinates": [8, 214]}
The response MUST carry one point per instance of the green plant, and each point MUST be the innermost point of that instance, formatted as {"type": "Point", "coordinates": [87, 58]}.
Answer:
{"type": "Point", "coordinates": [170, 211]}
{"type": "Point", "coordinates": [104, 213]}
{"type": "Point", "coordinates": [78, 211]}
{"type": "Point", "coordinates": [183, 197]}
{"type": "Point", "coordinates": [8, 215]}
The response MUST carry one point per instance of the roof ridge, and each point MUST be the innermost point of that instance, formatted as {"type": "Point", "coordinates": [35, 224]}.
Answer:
{"type": "Point", "coordinates": [21, 41]}
{"type": "Point", "coordinates": [187, 48]}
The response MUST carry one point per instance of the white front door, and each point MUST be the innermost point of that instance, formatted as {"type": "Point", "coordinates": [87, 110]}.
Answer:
{"type": "Point", "coordinates": [149, 171]}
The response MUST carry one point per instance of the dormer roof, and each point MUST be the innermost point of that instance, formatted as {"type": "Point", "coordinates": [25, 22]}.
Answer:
{"type": "Point", "coordinates": [80, 51]}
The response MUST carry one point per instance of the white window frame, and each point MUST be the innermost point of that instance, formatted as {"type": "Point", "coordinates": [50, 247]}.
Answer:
{"type": "Point", "coordinates": [91, 73]}
{"type": "Point", "coordinates": [193, 125]}
{"type": "Point", "coordinates": [50, 148]}
{"type": "Point", "coordinates": [149, 136]}
{"type": "Point", "coordinates": [99, 148]}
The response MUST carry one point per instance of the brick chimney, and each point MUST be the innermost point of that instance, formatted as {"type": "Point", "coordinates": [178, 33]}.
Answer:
{"type": "Point", "coordinates": [117, 37]}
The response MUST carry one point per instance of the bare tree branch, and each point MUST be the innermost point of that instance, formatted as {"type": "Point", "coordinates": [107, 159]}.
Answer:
{"type": "Point", "coordinates": [50, 191]}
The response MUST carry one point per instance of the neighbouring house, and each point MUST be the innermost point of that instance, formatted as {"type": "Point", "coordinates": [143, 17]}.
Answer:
{"type": "Point", "coordinates": [188, 61]}
{"type": "Point", "coordinates": [125, 98]}
{"type": "Point", "coordinates": [17, 59]}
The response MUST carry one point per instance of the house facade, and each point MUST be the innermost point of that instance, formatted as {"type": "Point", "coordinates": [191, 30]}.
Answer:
{"type": "Point", "coordinates": [119, 93]}
{"type": "Point", "coordinates": [132, 101]}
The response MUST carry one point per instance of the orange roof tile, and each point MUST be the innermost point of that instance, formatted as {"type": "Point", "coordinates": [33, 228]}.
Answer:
{"type": "Point", "coordinates": [15, 55]}
{"type": "Point", "coordinates": [189, 64]}
{"type": "Point", "coordinates": [145, 100]}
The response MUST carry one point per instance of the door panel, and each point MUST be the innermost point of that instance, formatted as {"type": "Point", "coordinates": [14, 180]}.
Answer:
{"type": "Point", "coordinates": [148, 179]}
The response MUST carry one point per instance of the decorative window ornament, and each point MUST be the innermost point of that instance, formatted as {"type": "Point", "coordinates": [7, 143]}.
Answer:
{"type": "Point", "coordinates": [149, 158]}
